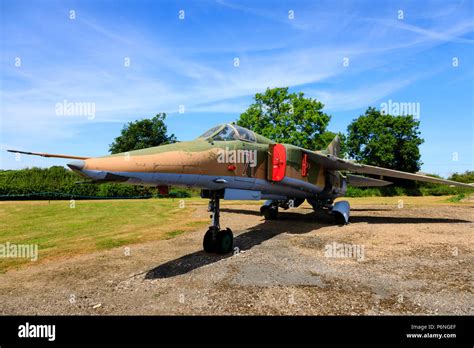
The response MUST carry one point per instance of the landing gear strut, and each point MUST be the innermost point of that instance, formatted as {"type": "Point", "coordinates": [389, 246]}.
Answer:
{"type": "Point", "coordinates": [217, 240]}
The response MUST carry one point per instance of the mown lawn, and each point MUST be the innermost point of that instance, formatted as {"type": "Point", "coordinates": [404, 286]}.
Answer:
{"type": "Point", "coordinates": [62, 230]}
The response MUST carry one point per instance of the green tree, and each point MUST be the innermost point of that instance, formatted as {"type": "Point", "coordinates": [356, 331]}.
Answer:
{"type": "Point", "coordinates": [288, 118]}
{"type": "Point", "coordinates": [466, 177]}
{"type": "Point", "coordinates": [385, 140]}
{"type": "Point", "coordinates": [142, 134]}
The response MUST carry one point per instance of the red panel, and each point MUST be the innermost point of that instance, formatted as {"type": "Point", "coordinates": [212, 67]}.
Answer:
{"type": "Point", "coordinates": [304, 165]}
{"type": "Point", "coordinates": [278, 162]}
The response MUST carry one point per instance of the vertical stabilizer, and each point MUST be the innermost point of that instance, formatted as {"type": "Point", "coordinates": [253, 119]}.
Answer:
{"type": "Point", "coordinates": [334, 147]}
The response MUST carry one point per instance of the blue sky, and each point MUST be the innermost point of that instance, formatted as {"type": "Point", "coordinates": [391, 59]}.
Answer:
{"type": "Point", "coordinates": [47, 57]}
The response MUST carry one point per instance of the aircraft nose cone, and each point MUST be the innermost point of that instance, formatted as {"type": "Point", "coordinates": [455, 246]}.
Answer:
{"type": "Point", "coordinates": [76, 165]}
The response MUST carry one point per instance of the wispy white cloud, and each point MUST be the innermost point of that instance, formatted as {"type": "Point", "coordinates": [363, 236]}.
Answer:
{"type": "Point", "coordinates": [357, 98]}
{"type": "Point", "coordinates": [450, 34]}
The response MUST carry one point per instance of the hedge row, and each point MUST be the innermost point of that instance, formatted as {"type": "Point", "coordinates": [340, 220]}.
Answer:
{"type": "Point", "coordinates": [59, 183]}
{"type": "Point", "coordinates": [390, 191]}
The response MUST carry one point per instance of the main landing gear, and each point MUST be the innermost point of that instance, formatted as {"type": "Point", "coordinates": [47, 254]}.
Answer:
{"type": "Point", "coordinates": [217, 240]}
{"type": "Point", "coordinates": [269, 209]}
{"type": "Point", "coordinates": [340, 210]}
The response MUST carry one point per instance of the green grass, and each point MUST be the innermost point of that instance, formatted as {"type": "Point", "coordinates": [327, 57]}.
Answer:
{"type": "Point", "coordinates": [174, 233]}
{"type": "Point", "coordinates": [457, 198]}
{"type": "Point", "coordinates": [61, 231]}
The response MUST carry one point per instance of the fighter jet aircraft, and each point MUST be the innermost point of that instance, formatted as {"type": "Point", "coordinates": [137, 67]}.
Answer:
{"type": "Point", "coordinates": [233, 163]}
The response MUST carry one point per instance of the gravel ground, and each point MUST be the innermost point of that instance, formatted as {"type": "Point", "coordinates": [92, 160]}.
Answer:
{"type": "Point", "coordinates": [415, 260]}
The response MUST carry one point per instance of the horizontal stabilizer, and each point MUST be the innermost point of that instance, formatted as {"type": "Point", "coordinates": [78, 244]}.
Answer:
{"type": "Point", "coordinates": [362, 181]}
{"type": "Point", "coordinates": [48, 155]}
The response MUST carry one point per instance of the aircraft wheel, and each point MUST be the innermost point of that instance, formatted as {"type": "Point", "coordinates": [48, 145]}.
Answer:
{"type": "Point", "coordinates": [224, 241]}
{"type": "Point", "coordinates": [208, 242]}
{"type": "Point", "coordinates": [339, 219]}
{"type": "Point", "coordinates": [270, 213]}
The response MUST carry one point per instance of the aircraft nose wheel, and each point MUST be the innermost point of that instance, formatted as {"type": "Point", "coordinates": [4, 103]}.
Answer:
{"type": "Point", "coordinates": [225, 241]}
{"type": "Point", "coordinates": [220, 242]}
{"type": "Point", "coordinates": [209, 243]}
{"type": "Point", "coordinates": [217, 240]}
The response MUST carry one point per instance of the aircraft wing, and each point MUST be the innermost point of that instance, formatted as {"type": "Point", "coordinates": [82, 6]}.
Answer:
{"type": "Point", "coordinates": [48, 155]}
{"type": "Point", "coordinates": [332, 162]}
{"type": "Point", "coordinates": [363, 181]}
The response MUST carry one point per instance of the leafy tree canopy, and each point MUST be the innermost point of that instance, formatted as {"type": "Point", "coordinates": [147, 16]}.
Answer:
{"type": "Point", "coordinates": [142, 134]}
{"type": "Point", "coordinates": [385, 140]}
{"type": "Point", "coordinates": [288, 118]}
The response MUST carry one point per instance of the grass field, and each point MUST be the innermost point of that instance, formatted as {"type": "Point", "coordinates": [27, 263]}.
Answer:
{"type": "Point", "coordinates": [62, 230]}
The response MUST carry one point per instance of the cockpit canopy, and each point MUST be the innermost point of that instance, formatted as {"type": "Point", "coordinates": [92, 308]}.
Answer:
{"type": "Point", "coordinates": [229, 132]}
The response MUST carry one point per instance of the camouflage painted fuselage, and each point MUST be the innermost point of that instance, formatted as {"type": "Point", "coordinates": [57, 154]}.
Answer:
{"type": "Point", "coordinates": [240, 164]}
{"type": "Point", "coordinates": [200, 163]}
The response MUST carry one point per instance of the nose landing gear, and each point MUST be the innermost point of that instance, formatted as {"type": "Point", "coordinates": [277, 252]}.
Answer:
{"type": "Point", "coordinates": [217, 240]}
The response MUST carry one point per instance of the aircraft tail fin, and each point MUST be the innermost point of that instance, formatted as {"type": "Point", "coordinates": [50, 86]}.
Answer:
{"type": "Point", "coordinates": [334, 147]}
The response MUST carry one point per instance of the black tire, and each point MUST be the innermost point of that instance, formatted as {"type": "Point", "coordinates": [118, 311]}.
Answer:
{"type": "Point", "coordinates": [270, 213]}
{"type": "Point", "coordinates": [208, 243]}
{"type": "Point", "coordinates": [224, 241]}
